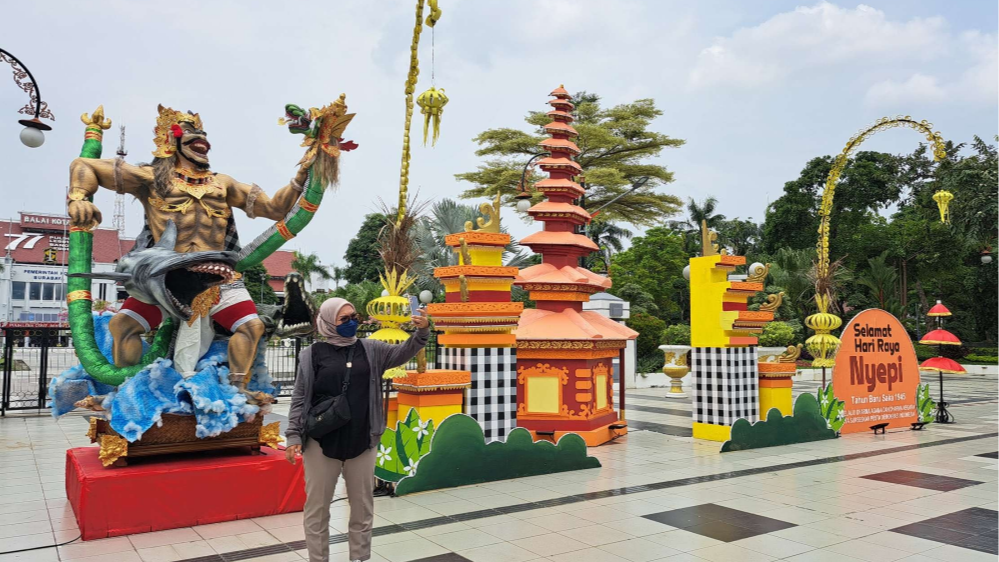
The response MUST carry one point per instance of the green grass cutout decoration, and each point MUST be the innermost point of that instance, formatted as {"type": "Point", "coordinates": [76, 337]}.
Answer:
{"type": "Point", "coordinates": [925, 406]}
{"type": "Point", "coordinates": [401, 449]}
{"type": "Point", "coordinates": [807, 424]}
{"type": "Point", "coordinates": [831, 408]}
{"type": "Point", "coordinates": [459, 456]}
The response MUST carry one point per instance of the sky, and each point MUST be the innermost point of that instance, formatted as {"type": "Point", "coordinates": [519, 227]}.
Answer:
{"type": "Point", "coordinates": [756, 89]}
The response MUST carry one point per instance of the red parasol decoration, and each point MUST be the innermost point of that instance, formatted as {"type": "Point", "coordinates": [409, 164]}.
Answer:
{"type": "Point", "coordinates": [943, 365]}
{"type": "Point", "coordinates": [938, 310]}
{"type": "Point", "coordinates": [939, 337]}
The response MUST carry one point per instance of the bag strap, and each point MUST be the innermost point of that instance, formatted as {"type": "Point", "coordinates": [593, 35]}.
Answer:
{"type": "Point", "coordinates": [350, 364]}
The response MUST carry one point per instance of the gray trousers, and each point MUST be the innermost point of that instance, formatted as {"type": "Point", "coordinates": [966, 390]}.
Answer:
{"type": "Point", "coordinates": [321, 475]}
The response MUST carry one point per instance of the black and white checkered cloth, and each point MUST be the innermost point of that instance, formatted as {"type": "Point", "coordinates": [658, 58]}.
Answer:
{"type": "Point", "coordinates": [492, 399]}
{"type": "Point", "coordinates": [726, 384]}
{"type": "Point", "coordinates": [231, 243]}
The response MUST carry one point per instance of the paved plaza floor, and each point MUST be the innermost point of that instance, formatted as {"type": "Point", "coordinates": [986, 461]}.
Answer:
{"type": "Point", "coordinates": [926, 496]}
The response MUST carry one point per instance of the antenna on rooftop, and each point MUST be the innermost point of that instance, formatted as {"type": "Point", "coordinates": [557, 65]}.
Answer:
{"type": "Point", "coordinates": [119, 199]}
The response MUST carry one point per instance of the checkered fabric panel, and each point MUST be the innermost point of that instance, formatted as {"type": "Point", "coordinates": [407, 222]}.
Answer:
{"type": "Point", "coordinates": [492, 400]}
{"type": "Point", "coordinates": [726, 384]}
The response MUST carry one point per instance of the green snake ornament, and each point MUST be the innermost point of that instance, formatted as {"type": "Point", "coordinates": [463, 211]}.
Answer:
{"type": "Point", "coordinates": [322, 129]}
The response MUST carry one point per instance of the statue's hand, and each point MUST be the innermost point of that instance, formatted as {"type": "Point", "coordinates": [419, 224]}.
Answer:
{"type": "Point", "coordinates": [302, 176]}
{"type": "Point", "coordinates": [84, 214]}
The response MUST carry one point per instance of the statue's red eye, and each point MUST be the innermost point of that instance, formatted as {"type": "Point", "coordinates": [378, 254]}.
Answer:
{"type": "Point", "coordinates": [177, 131]}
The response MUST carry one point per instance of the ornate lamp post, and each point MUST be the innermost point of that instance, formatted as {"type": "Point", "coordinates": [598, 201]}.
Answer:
{"type": "Point", "coordinates": [32, 135]}
{"type": "Point", "coordinates": [524, 197]}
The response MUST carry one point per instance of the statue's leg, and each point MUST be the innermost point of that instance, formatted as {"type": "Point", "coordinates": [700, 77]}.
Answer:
{"type": "Point", "coordinates": [236, 312]}
{"type": "Point", "coordinates": [127, 326]}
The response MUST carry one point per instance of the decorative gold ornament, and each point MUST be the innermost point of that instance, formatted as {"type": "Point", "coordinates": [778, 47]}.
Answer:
{"type": "Point", "coordinates": [92, 430]}
{"type": "Point", "coordinates": [432, 104]}
{"type": "Point", "coordinates": [270, 435]}
{"type": "Point", "coordinates": [77, 295]}
{"type": "Point", "coordinates": [823, 345]}
{"type": "Point", "coordinates": [96, 119]}
{"type": "Point", "coordinates": [759, 274]}
{"type": "Point", "coordinates": [77, 194]}
{"type": "Point", "coordinates": [463, 287]}
{"type": "Point", "coordinates": [773, 302]}
{"type": "Point", "coordinates": [790, 355]}
{"type": "Point", "coordinates": [708, 237]}
{"type": "Point", "coordinates": [164, 139]}
{"type": "Point", "coordinates": [943, 199]}
{"type": "Point", "coordinates": [113, 448]}
{"type": "Point", "coordinates": [464, 256]}
{"type": "Point", "coordinates": [492, 211]}
{"type": "Point", "coordinates": [202, 304]}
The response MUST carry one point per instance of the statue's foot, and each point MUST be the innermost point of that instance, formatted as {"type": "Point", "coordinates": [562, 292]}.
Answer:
{"type": "Point", "coordinates": [92, 403]}
{"type": "Point", "coordinates": [257, 398]}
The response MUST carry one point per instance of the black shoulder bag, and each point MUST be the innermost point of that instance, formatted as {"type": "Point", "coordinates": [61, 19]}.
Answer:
{"type": "Point", "coordinates": [331, 412]}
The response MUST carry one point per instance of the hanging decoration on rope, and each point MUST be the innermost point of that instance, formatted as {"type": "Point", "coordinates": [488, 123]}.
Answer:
{"type": "Point", "coordinates": [414, 73]}
{"type": "Point", "coordinates": [432, 101]}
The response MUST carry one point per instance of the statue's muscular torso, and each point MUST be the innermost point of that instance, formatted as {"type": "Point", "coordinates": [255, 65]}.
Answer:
{"type": "Point", "coordinates": [201, 221]}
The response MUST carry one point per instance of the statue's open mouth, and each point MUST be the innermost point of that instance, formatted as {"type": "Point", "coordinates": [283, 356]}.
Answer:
{"type": "Point", "coordinates": [297, 316]}
{"type": "Point", "coordinates": [200, 146]}
{"type": "Point", "coordinates": [297, 123]}
{"type": "Point", "coordinates": [185, 283]}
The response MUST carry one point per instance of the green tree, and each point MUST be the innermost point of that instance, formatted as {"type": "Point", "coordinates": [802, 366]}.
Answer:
{"type": "Point", "coordinates": [653, 262]}
{"type": "Point", "coordinates": [359, 295]}
{"type": "Point", "coordinates": [690, 227]}
{"type": "Point", "coordinates": [615, 145]}
{"type": "Point", "coordinates": [881, 278]}
{"type": "Point", "coordinates": [741, 237]}
{"type": "Point", "coordinates": [363, 260]}
{"type": "Point", "coordinates": [255, 278]}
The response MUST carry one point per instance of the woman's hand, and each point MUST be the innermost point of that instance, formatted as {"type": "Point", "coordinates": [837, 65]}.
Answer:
{"type": "Point", "coordinates": [291, 452]}
{"type": "Point", "coordinates": [421, 321]}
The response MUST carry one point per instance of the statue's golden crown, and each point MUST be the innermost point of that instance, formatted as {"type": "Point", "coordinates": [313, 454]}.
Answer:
{"type": "Point", "coordinates": [167, 118]}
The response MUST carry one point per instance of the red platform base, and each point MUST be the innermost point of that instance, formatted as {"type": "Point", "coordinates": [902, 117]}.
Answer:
{"type": "Point", "coordinates": [181, 491]}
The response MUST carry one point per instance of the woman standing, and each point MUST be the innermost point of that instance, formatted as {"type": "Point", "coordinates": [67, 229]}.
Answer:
{"type": "Point", "coordinates": [351, 448]}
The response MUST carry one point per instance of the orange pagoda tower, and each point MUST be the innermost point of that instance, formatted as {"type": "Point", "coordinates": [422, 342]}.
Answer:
{"type": "Point", "coordinates": [565, 355]}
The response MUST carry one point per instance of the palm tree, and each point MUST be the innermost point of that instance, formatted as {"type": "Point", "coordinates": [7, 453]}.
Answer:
{"type": "Point", "coordinates": [691, 227]}
{"type": "Point", "coordinates": [308, 264]}
{"type": "Point", "coordinates": [881, 279]}
{"type": "Point", "coordinates": [607, 236]}
{"type": "Point", "coordinates": [339, 273]}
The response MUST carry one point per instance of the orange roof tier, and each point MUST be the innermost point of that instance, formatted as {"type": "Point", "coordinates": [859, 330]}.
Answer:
{"type": "Point", "coordinates": [547, 238]}
{"type": "Point", "coordinates": [559, 186]}
{"type": "Point", "coordinates": [745, 287]}
{"type": "Point", "coordinates": [551, 209]}
{"type": "Point", "coordinates": [548, 164]}
{"type": "Point", "coordinates": [477, 238]}
{"type": "Point", "coordinates": [561, 102]}
{"type": "Point", "coordinates": [545, 273]}
{"type": "Point", "coordinates": [475, 271]}
{"type": "Point", "coordinates": [728, 260]}
{"type": "Point", "coordinates": [558, 127]}
{"type": "Point", "coordinates": [559, 114]}
{"type": "Point", "coordinates": [536, 324]}
{"type": "Point", "coordinates": [560, 144]}
{"type": "Point", "coordinates": [560, 92]}
{"type": "Point", "coordinates": [475, 308]}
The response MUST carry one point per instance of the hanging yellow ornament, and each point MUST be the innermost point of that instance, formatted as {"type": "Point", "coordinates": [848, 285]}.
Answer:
{"type": "Point", "coordinates": [943, 199]}
{"type": "Point", "coordinates": [432, 104]}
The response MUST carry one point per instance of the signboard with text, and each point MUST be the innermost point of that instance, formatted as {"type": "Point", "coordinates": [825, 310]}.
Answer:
{"type": "Point", "coordinates": [36, 221]}
{"type": "Point", "coordinates": [876, 373]}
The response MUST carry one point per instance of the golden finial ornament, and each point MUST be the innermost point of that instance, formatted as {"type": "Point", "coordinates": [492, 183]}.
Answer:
{"type": "Point", "coordinates": [791, 354]}
{"type": "Point", "coordinates": [708, 237]}
{"type": "Point", "coordinates": [490, 224]}
{"type": "Point", "coordinates": [773, 302]}
{"type": "Point", "coordinates": [96, 119]}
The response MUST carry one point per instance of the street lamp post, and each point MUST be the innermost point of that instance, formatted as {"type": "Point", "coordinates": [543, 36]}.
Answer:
{"type": "Point", "coordinates": [524, 197]}
{"type": "Point", "coordinates": [32, 135]}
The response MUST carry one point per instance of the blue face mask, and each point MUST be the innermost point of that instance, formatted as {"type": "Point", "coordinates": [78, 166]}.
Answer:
{"type": "Point", "coordinates": [347, 329]}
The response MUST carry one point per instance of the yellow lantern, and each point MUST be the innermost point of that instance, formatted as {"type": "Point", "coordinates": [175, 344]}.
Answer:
{"type": "Point", "coordinates": [432, 104]}
{"type": "Point", "coordinates": [943, 199]}
{"type": "Point", "coordinates": [823, 345]}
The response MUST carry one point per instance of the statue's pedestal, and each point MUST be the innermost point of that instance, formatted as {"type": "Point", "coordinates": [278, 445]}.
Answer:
{"type": "Point", "coordinates": [179, 491]}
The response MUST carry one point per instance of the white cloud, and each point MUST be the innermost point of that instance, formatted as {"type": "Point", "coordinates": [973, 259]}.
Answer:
{"type": "Point", "coordinates": [919, 88]}
{"type": "Point", "coordinates": [814, 37]}
{"type": "Point", "coordinates": [979, 82]}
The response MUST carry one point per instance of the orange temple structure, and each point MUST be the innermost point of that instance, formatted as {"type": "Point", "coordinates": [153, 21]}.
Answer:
{"type": "Point", "coordinates": [564, 354]}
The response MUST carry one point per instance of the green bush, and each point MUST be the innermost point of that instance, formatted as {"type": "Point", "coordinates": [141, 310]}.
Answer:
{"type": "Point", "coordinates": [651, 363]}
{"type": "Point", "coordinates": [975, 358]}
{"type": "Point", "coordinates": [677, 334]}
{"type": "Point", "coordinates": [649, 330]}
{"type": "Point", "coordinates": [777, 334]}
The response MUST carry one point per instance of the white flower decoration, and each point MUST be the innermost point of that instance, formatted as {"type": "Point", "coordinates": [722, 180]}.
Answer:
{"type": "Point", "coordinates": [421, 429]}
{"type": "Point", "coordinates": [411, 468]}
{"type": "Point", "coordinates": [841, 415]}
{"type": "Point", "coordinates": [383, 455]}
{"type": "Point", "coordinates": [825, 401]}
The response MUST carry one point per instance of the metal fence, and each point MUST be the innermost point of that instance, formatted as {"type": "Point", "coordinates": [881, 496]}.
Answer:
{"type": "Point", "coordinates": [282, 358]}
{"type": "Point", "coordinates": [33, 356]}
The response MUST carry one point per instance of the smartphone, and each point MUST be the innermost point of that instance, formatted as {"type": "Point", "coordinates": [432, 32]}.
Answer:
{"type": "Point", "coordinates": [414, 304]}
